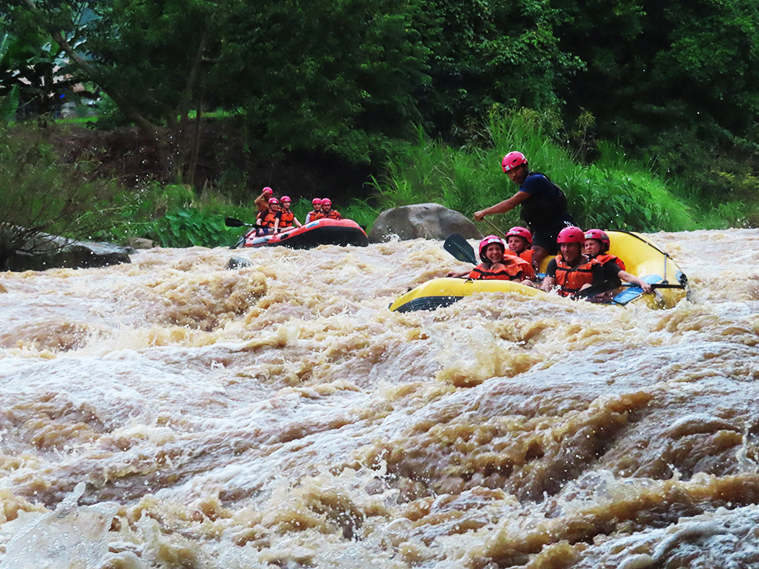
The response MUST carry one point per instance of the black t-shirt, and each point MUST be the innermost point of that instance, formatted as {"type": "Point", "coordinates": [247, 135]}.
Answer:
{"type": "Point", "coordinates": [547, 205]}
{"type": "Point", "coordinates": [607, 273]}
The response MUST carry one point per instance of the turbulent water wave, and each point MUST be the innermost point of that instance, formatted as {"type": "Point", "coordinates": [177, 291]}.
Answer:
{"type": "Point", "coordinates": [171, 413]}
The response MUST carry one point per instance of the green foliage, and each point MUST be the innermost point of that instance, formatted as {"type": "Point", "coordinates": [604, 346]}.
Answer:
{"type": "Point", "coordinates": [186, 227]}
{"type": "Point", "coordinates": [676, 78]}
{"type": "Point", "coordinates": [487, 52]}
{"type": "Point", "coordinates": [42, 194]}
{"type": "Point", "coordinates": [9, 105]}
{"type": "Point", "coordinates": [151, 57]}
{"type": "Point", "coordinates": [323, 75]}
{"type": "Point", "coordinates": [361, 212]}
{"type": "Point", "coordinates": [676, 81]}
{"type": "Point", "coordinates": [172, 216]}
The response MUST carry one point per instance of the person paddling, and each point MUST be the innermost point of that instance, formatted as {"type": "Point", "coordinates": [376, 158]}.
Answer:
{"type": "Point", "coordinates": [286, 217]}
{"type": "Point", "coordinates": [262, 201]}
{"type": "Point", "coordinates": [267, 221]}
{"type": "Point", "coordinates": [496, 264]}
{"type": "Point", "coordinates": [543, 205]}
{"type": "Point", "coordinates": [313, 215]}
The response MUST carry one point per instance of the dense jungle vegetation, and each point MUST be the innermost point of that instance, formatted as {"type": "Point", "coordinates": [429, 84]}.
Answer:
{"type": "Point", "coordinates": [157, 118]}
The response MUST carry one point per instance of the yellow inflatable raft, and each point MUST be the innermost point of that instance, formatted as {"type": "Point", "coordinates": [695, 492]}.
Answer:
{"type": "Point", "coordinates": [641, 257]}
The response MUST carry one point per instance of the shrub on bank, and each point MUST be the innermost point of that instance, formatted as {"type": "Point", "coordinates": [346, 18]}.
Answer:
{"type": "Point", "coordinates": [42, 194]}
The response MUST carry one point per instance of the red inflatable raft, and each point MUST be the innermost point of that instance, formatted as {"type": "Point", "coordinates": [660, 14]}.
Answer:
{"type": "Point", "coordinates": [319, 232]}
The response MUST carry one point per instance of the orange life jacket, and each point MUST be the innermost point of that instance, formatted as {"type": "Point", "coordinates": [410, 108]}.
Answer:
{"type": "Point", "coordinates": [572, 279]}
{"type": "Point", "coordinates": [514, 269]}
{"type": "Point", "coordinates": [333, 215]}
{"type": "Point", "coordinates": [605, 258]}
{"type": "Point", "coordinates": [312, 216]}
{"type": "Point", "coordinates": [267, 218]}
{"type": "Point", "coordinates": [526, 255]}
{"type": "Point", "coordinates": [286, 218]}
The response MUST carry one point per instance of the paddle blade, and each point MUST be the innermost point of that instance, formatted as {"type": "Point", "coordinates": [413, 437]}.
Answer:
{"type": "Point", "coordinates": [232, 222]}
{"type": "Point", "coordinates": [457, 246]}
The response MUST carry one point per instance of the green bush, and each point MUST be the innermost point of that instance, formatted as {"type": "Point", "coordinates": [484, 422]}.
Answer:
{"type": "Point", "coordinates": [40, 193]}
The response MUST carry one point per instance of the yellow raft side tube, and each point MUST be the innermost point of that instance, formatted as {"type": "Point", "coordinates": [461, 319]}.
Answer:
{"type": "Point", "coordinates": [641, 257]}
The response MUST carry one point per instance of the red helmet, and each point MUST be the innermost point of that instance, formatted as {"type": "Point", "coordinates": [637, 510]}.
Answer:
{"type": "Point", "coordinates": [285, 199]}
{"type": "Point", "coordinates": [316, 201]}
{"type": "Point", "coordinates": [326, 201]}
{"type": "Point", "coordinates": [522, 232]}
{"type": "Point", "coordinates": [268, 190]}
{"type": "Point", "coordinates": [487, 241]}
{"type": "Point", "coordinates": [571, 235]}
{"type": "Point", "coordinates": [273, 201]}
{"type": "Point", "coordinates": [600, 235]}
{"type": "Point", "coordinates": [513, 160]}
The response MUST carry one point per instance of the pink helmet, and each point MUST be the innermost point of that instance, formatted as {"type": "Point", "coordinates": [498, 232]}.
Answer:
{"type": "Point", "coordinates": [513, 160]}
{"type": "Point", "coordinates": [268, 190]}
{"type": "Point", "coordinates": [273, 201]}
{"type": "Point", "coordinates": [316, 201]}
{"type": "Point", "coordinates": [285, 199]}
{"type": "Point", "coordinates": [487, 241]}
{"type": "Point", "coordinates": [522, 232]}
{"type": "Point", "coordinates": [326, 201]}
{"type": "Point", "coordinates": [571, 235]}
{"type": "Point", "coordinates": [601, 236]}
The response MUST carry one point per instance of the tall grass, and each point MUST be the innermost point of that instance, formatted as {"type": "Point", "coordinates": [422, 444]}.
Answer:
{"type": "Point", "coordinates": [613, 192]}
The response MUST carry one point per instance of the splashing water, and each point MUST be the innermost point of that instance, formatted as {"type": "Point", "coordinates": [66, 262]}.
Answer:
{"type": "Point", "coordinates": [171, 413]}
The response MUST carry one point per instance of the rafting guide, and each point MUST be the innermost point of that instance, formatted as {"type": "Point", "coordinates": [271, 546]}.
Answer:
{"type": "Point", "coordinates": [543, 205]}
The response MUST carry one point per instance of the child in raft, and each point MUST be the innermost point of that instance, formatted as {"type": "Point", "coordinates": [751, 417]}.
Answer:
{"type": "Point", "coordinates": [286, 218]}
{"type": "Point", "coordinates": [267, 220]}
{"type": "Point", "coordinates": [520, 242]}
{"type": "Point", "coordinates": [596, 248]}
{"type": "Point", "coordinates": [312, 215]}
{"type": "Point", "coordinates": [327, 212]}
{"type": "Point", "coordinates": [497, 264]}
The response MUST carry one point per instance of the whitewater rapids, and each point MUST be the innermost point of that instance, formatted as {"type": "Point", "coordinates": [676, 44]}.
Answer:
{"type": "Point", "coordinates": [173, 413]}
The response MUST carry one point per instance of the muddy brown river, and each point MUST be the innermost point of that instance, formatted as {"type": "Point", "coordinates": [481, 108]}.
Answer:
{"type": "Point", "coordinates": [172, 413]}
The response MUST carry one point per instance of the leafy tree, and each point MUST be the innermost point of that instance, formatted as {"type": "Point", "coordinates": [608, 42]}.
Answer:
{"type": "Point", "coordinates": [148, 57]}
{"type": "Point", "coordinates": [323, 75]}
{"type": "Point", "coordinates": [677, 77]}
{"type": "Point", "coordinates": [34, 75]}
{"type": "Point", "coordinates": [491, 52]}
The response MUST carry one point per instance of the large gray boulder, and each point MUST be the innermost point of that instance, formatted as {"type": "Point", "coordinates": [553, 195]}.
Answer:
{"type": "Point", "coordinates": [45, 251]}
{"type": "Point", "coordinates": [424, 220]}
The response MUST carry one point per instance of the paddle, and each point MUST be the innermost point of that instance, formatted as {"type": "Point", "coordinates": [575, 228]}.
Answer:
{"type": "Point", "coordinates": [604, 286]}
{"type": "Point", "coordinates": [494, 228]}
{"type": "Point", "coordinates": [232, 222]}
{"type": "Point", "coordinates": [457, 246]}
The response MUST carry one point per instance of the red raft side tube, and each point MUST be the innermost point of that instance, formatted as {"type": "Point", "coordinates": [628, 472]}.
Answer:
{"type": "Point", "coordinates": [319, 232]}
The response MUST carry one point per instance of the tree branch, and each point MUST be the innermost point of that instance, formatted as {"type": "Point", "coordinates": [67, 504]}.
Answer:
{"type": "Point", "coordinates": [94, 75]}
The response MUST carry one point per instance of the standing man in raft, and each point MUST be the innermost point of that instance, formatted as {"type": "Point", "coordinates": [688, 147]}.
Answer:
{"type": "Point", "coordinates": [544, 205]}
